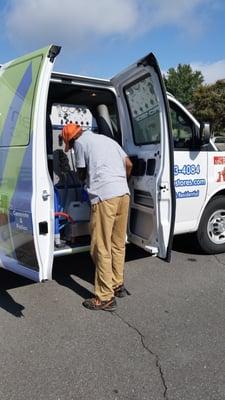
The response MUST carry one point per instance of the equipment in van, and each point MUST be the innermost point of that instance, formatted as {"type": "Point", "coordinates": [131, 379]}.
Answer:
{"type": "Point", "coordinates": [71, 217]}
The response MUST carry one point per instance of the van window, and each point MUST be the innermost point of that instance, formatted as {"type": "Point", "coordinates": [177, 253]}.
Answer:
{"type": "Point", "coordinates": [113, 113]}
{"type": "Point", "coordinates": [144, 111]}
{"type": "Point", "coordinates": [182, 127]}
{"type": "Point", "coordinates": [16, 97]}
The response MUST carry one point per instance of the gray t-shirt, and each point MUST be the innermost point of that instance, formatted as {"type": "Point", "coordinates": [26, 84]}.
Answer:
{"type": "Point", "coordinates": [105, 163]}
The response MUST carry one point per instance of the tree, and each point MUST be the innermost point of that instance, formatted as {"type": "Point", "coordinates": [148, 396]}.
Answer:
{"type": "Point", "coordinates": [182, 82]}
{"type": "Point", "coordinates": [209, 105]}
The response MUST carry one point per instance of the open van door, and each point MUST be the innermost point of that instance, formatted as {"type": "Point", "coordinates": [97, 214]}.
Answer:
{"type": "Point", "coordinates": [26, 220]}
{"type": "Point", "coordinates": [147, 139]}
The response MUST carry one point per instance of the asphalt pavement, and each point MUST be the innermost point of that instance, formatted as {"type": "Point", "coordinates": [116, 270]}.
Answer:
{"type": "Point", "coordinates": [165, 341]}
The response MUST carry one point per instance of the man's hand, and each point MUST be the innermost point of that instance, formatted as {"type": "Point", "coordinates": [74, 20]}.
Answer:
{"type": "Point", "coordinates": [128, 165]}
{"type": "Point", "coordinates": [82, 173]}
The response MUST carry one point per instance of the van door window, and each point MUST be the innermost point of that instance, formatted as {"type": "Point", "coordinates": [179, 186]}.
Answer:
{"type": "Point", "coordinates": [144, 111]}
{"type": "Point", "coordinates": [182, 128]}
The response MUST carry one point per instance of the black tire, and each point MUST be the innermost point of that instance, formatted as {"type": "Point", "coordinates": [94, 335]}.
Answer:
{"type": "Point", "coordinates": [211, 230]}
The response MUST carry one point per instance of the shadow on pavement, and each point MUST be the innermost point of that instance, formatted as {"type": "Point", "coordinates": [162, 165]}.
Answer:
{"type": "Point", "coordinates": [67, 269]}
{"type": "Point", "coordinates": [8, 304]}
{"type": "Point", "coordinates": [9, 281]}
{"type": "Point", "coordinates": [65, 272]}
{"type": "Point", "coordinates": [186, 244]}
{"type": "Point", "coordinates": [135, 253]}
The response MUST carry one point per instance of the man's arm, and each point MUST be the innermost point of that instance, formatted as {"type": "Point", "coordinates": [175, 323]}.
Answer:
{"type": "Point", "coordinates": [128, 166]}
{"type": "Point", "coordinates": [82, 173]}
{"type": "Point", "coordinates": [80, 162]}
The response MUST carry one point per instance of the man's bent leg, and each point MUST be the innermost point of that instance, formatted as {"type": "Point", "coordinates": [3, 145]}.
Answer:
{"type": "Point", "coordinates": [102, 221]}
{"type": "Point", "coordinates": [118, 240]}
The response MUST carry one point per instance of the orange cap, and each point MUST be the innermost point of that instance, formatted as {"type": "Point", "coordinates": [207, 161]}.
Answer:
{"type": "Point", "coordinates": [70, 131]}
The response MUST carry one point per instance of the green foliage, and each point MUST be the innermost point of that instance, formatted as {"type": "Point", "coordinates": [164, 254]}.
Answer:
{"type": "Point", "coordinates": [182, 82]}
{"type": "Point", "coordinates": [209, 105]}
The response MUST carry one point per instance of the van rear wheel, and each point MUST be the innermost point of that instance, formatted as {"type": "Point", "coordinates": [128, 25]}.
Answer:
{"type": "Point", "coordinates": [211, 231]}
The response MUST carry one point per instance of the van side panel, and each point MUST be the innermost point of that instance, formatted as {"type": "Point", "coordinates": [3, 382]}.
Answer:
{"type": "Point", "coordinates": [17, 91]}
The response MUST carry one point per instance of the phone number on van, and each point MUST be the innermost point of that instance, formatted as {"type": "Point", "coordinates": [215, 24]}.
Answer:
{"type": "Point", "coordinates": [187, 169]}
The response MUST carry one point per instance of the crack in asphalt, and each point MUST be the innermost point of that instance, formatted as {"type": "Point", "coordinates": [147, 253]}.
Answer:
{"type": "Point", "coordinates": [157, 362]}
{"type": "Point", "coordinates": [218, 260]}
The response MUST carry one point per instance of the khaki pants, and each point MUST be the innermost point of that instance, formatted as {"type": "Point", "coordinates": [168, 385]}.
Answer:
{"type": "Point", "coordinates": [108, 234]}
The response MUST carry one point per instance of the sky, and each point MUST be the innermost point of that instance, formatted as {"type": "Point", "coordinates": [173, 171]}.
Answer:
{"type": "Point", "coordinates": [101, 37]}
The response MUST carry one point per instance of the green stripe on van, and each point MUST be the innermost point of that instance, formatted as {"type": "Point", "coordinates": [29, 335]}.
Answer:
{"type": "Point", "coordinates": [18, 139]}
{"type": "Point", "coordinates": [21, 135]}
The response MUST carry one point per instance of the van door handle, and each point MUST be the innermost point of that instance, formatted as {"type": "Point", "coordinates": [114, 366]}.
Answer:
{"type": "Point", "coordinates": [45, 195]}
{"type": "Point", "coordinates": [164, 186]}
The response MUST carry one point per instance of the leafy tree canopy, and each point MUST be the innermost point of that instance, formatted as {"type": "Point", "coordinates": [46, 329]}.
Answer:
{"type": "Point", "coordinates": [209, 105]}
{"type": "Point", "coordinates": [182, 82]}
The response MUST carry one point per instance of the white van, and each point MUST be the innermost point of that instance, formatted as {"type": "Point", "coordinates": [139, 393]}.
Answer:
{"type": "Point", "coordinates": [199, 177]}
{"type": "Point", "coordinates": [43, 211]}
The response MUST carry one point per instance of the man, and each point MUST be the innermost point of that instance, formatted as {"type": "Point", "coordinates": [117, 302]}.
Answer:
{"type": "Point", "coordinates": [105, 167]}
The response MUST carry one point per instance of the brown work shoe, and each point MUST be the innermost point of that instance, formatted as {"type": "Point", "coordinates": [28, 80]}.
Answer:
{"type": "Point", "coordinates": [96, 304]}
{"type": "Point", "coordinates": [121, 291]}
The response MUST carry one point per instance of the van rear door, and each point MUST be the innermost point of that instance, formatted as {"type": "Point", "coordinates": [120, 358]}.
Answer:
{"type": "Point", "coordinates": [25, 222]}
{"type": "Point", "coordinates": [147, 139]}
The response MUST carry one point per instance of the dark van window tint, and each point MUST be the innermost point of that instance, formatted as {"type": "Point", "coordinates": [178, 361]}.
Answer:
{"type": "Point", "coordinates": [144, 111]}
{"type": "Point", "coordinates": [182, 127]}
